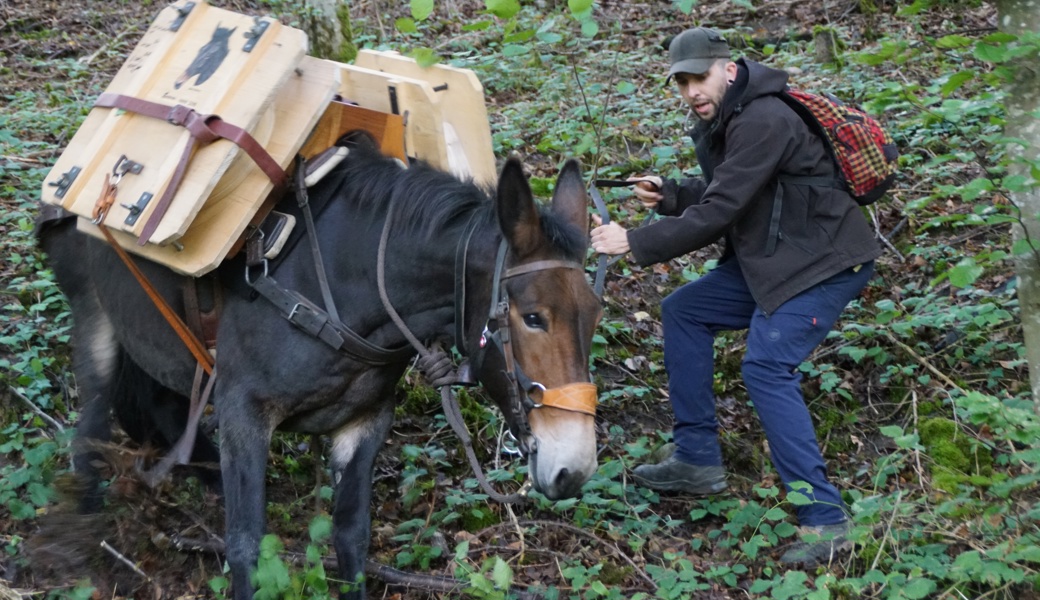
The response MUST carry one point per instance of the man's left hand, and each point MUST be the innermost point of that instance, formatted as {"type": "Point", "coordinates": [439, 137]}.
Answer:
{"type": "Point", "coordinates": [610, 238]}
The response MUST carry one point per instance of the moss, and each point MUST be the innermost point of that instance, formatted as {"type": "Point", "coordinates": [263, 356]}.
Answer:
{"type": "Point", "coordinates": [348, 50]}
{"type": "Point", "coordinates": [958, 459]}
{"type": "Point", "coordinates": [612, 575]}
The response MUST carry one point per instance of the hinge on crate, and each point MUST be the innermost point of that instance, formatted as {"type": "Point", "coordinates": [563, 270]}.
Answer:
{"type": "Point", "coordinates": [253, 35]}
{"type": "Point", "coordinates": [182, 14]}
{"type": "Point", "coordinates": [65, 181]}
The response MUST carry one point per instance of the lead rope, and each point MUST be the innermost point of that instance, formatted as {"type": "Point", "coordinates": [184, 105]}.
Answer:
{"type": "Point", "coordinates": [437, 368]}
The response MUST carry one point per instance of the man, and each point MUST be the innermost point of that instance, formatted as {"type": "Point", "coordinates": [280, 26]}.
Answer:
{"type": "Point", "coordinates": [787, 289]}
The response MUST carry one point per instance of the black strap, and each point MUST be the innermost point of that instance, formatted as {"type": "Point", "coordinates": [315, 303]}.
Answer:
{"type": "Point", "coordinates": [312, 237]}
{"type": "Point", "coordinates": [461, 256]}
{"type": "Point", "coordinates": [604, 215]}
{"type": "Point", "coordinates": [774, 219]}
{"type": "Point", "coordinates": [614, 183]}
{"type": "Point", "coordinates": [313, 320]}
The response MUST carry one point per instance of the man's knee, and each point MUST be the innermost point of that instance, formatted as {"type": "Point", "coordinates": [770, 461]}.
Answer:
{"type": "Point", "coordinates": [759, 371]}
{"type": "Point", "coordinates": [682, 305]}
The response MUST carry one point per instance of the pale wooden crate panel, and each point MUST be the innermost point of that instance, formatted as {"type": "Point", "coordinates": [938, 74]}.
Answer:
{"type": "Point", "coordinates": [459, 95]}
{"type": "Point", "coordinates": [413, 99]}
{"type": "Point", "coordinates": [237, 85]}
{"type": "Point", "coordinates": [225, 216]}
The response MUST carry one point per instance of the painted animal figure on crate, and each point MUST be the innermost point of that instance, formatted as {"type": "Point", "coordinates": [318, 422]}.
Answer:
{"type": "Point", "coordinates": [443, 243]}
{"type": "Point", "coordinates": [208, 59]}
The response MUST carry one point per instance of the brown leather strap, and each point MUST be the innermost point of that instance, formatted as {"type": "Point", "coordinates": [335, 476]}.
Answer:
{"type": "Point", "coordinates": [180, 453]}
{"type": "Point", "coordinates": [194, 345]}
{"type": "Point", "coordinates": [575, 397]}
{"type": "Point", "coordinates": [539, 265]}
{"type": "Point", "coordinates": [204, 129]}
{"type": "Point", "coordinates": [203, 303]}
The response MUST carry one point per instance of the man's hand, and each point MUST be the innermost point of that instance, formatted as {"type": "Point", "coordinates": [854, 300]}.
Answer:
{"type": "Point", "coordinates": [648, 189]}
{"type": "Point", "coordinates": [610, 238]}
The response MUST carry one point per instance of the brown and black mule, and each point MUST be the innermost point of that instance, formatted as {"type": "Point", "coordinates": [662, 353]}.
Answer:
{"type": "Point", "coordinates": [272, 374]}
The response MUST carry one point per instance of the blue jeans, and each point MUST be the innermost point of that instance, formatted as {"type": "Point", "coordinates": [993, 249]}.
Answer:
{"type": "Point", "coordinates": [776, 345]}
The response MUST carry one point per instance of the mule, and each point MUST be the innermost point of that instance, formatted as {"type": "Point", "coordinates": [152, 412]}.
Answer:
{"type": "Point", "coordinates": [440, 268]}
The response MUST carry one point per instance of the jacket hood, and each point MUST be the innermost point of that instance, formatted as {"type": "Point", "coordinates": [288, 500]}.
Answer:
{"type": "Point", "coordinates": [753, 80]}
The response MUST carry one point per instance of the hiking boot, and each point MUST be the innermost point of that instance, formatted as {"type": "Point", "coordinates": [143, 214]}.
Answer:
{"type": "Point", "coordinates": [673, 475]}
{"type": "Point", "coordinates": [819, 544]}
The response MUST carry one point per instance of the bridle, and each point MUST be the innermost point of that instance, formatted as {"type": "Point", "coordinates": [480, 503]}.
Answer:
{"type": "Point", "coordinates": [497, 336]}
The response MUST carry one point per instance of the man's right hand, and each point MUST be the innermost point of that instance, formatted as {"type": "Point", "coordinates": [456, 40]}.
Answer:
{"type": "Point", "coordinates": [648, 190]}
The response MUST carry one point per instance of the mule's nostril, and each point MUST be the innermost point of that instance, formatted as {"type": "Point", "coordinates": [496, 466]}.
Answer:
{"type": "Point", "coordinates": [566, 485]}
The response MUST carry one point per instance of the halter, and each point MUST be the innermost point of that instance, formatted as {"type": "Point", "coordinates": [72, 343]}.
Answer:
{"type": "Point", "coordinates": [497, 335]}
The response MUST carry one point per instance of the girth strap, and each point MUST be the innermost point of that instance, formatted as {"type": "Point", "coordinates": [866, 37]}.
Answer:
{"type": "Point", "coordinates": [315, 321]}
{"type": "Point", "coordinates": [204, 129]}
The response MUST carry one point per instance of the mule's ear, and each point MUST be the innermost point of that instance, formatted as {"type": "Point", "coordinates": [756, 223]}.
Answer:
{"type": "Point", "coordinates": [517, 213]}
{"type": "Point", "coordinates": [569, 200]}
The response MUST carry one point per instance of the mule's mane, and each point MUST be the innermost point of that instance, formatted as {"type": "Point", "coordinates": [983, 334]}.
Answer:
{"type": "Point", "coordinates": [428, 201]}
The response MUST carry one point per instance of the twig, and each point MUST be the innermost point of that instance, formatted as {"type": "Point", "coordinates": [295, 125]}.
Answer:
{"type": "Point", "coordinates": [924, 363]}
{"type": "Point", "coordinates": [582, 532]}
{"type": "Point", "coordinates": [389, 575]}
{"type": "Point", "coordinates": [30, 158]}
{"type": "Point", "coordinates": [126, 561]}
{"type": "Point", "coordinates": [917, 452]}
{"type": "Point", "coordinates": [86, 60]}
{"type": "Point", "coordinates": [881, 236]}
{"type": "Point", "coordinates": [502, 431]}
{"type": "Point", "coordinates": [888, 531]}
{"type": "Point", "coordinates": [36, 409]}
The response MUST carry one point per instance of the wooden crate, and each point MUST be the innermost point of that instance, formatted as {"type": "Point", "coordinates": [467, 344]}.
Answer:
{"type": "Point", "coordinates": [285, 100]}
{"type": "Point", "coordinates": [211, 60]}
{"type": "Point", "coordinates": [446, 121]}
{"type": "Point", "coordinates": [222, 220]}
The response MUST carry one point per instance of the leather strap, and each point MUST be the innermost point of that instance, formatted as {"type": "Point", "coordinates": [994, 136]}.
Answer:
{"type": "Point", "coordinates": [203, 305]}
{"type": "Point", "coordinates": [539, 265]}
{"type": "Point", "coordinates": [194, 345]}
{"type": "Point", "coordinates": [204, 129]}
{"type": "Point", "coordinates": [315, 321]}
{"type": "Point", "coordinates": [575, 397]}
{"type": "Point", "coordinates": [601, 266]}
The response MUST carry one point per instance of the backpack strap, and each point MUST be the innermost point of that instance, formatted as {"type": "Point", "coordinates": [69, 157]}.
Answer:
{"type": "Point", "coordinates": [783, 178]}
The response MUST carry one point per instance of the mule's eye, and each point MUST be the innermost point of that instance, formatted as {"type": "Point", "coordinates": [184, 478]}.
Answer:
{"type": "Point", "coordinates": [534, 321]}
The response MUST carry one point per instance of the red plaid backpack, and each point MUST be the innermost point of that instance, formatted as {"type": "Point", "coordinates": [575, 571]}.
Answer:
{"type": "Point", "coordinates": [861, 148]}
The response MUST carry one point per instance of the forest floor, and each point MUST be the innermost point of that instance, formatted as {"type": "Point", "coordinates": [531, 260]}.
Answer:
{"type": "Point", "coordinates": [157, 527]}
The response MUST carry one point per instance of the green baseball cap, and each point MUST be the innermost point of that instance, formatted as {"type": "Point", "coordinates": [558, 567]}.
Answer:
{"type": "Point", "coordinates": [695, 50]}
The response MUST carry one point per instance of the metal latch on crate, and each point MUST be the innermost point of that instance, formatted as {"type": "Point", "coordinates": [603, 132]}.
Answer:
{"type": "Point", "coordinates": [65, 181]}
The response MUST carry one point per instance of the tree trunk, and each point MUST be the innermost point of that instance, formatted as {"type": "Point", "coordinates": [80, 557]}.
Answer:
{"type": "Point", "coordinates": [1018, 17]}
{"type": "Point", "coordinates": [328, 30]}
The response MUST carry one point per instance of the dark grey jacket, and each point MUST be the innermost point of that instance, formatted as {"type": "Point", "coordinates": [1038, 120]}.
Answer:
{"type": "Point", "coordinates": [754, 138]}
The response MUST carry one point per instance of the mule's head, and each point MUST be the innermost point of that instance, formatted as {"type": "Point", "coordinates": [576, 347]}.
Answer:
{"type": "Point", "coordinates": [552, 314]}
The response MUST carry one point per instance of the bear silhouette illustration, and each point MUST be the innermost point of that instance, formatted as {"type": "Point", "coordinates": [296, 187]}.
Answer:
{"type": "Point", "coordinates": [209, 58]}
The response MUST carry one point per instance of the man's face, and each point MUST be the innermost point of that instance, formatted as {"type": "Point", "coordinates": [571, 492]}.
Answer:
{"type": "Point", "coordinates": [704, 92]}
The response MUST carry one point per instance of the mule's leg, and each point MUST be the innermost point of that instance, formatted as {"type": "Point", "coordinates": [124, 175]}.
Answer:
{"type": "Point", "coordinates": [95, 358]}
{"type": "Point", "coordinates": [354, 451]}
{"type": "Point", "coordinates": [245, 437]}
{"type": "Point", "coordinates": [96, 354]}
{"type": "Point", "coordinates": [151, 413]}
